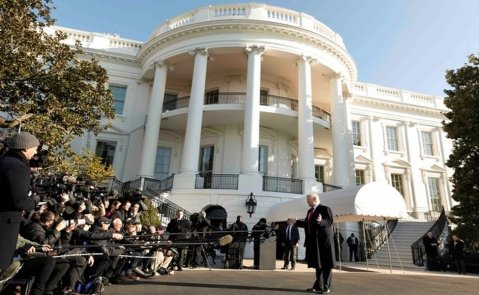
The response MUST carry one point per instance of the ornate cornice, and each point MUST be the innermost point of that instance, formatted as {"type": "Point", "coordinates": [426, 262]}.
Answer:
{"type": "Point", "coordinates": [309, 38]}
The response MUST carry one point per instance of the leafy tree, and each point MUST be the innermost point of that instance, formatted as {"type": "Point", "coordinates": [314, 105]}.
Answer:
{"type": "Point", "coordinates": [47, 87]}
{"type": "Point", "coordinates": [463, 128]}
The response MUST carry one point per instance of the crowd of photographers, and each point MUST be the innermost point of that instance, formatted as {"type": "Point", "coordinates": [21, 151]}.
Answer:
{"type": "Point", "coordinates": [69, 237]}
{"type": "Point", "coordinates": [83, 237]}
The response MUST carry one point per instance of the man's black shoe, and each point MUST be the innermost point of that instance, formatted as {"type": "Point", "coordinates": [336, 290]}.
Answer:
{"type": "Point", "coordinates": [311, 290]}
{"type": "Point", "coordinates": [326, 291]}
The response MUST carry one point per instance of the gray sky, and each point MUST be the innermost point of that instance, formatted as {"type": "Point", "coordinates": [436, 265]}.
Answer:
{"type": "Point", "coordinates": [407, 44]}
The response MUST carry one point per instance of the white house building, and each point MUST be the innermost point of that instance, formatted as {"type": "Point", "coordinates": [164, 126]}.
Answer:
{"type": "Point", "coordinates": [229, 100]}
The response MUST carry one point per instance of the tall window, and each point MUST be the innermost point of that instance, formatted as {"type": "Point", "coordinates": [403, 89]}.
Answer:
{"type": "Point", "coordinates": [119, 96]}
{"type": "Point", "coordinates": [263, 97]}
{"type": "Point", "coordinates": [263, 159]}
{"type": "Point", "coordinates": [319, 173]}
{"type": "Point", "coordinates": [162, 163]}
{"type": "Point", "coordinates": [212, 96]}
{"type": "Point", "coordinates": [356, 133]}
{"type": "Point", "coordinates": [392, 138]}
{"type": "Point", "coordinates": [397, 183]}
{"type": "Point", "coordinates": [359, 177]}
{"type": "Point", "coordinates": [106, 151]}
{"type": "Point", "coordinates": [434, 195]}
{"type": "Point", "coordinates": [169, 102]}
{"type": "Point", "coordinates": [206, 159]}
{"type": "Point", "coordinates": [427, 144]}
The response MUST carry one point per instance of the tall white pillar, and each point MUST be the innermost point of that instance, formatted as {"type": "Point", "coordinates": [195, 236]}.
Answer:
{"type": "Point", "coordinates": [343, 153]}
{"type": "Point", "coordinates": [152, 128]}
{"type": "Point", "coordinates": [249, 163]}
{"type": "Point", "coordinates": [191, 146]}
{"type": "Point", "coordinates": [305, 119]}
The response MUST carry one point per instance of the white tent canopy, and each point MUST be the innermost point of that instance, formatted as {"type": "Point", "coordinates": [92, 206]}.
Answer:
{"type": "Point", "coordinates": [372, 201]}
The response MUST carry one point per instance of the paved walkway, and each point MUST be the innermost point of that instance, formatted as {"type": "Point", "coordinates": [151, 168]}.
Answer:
{"type": "Point", "coordinates": [350, 280]}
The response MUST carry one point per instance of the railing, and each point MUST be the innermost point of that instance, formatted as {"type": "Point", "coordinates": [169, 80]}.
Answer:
{"type": "Point", "coordinates": [253, 12]}
{"type": "Point", "coordinates": [282, 185]}
{"type": "Point", "coordinates": [227, 98]}
{"type": "Point", "coordinates": [417, 247]}
{"type": "Point", "coordinates": [158, 186]}
{"type": "Point", "coordinates": [216, 181]}
{"type": "Point", "coordinates": [379, 235]}
{"type": "Point", "coordinates": [330, 187]}
{"type": "Point", "coordinates": [279, 102]}
{"type": "Point", "coordinates": [152, 188]}
{"type": "Point", "coordinates": [240, 98]}
{"type": "Point", "coordinates": [398, 96]}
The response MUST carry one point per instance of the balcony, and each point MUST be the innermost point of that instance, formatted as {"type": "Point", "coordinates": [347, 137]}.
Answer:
{"type": "Point", "coordinates": [216, 181]}
{"type": "Point", "coordinates": [282, 185]}
{"type": "Point", "coordinates": [275, 101]}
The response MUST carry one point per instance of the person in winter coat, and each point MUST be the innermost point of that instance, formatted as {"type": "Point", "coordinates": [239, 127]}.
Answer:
{"type": "Point", "coordinates": [15, 176]}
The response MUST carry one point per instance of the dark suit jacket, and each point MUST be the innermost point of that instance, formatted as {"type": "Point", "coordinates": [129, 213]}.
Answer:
{"type": "Point", "coordinates": [319, 238]}
{"type": "Point", "coordinates": [14, 188]}
{"type": "Point", "coordinates": [294, 236]}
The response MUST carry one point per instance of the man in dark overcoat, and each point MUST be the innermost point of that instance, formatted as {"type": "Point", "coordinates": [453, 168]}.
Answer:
{"type": "Point", "coordinates": [14, 191]}
{"type": "Point", "coordinates": [319, 243]}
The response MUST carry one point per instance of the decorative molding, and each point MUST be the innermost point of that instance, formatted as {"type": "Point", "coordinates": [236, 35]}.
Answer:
{"type": "Point", "coordinates": [202, 51]}
{"type": "Point", "coordinates": [258, 49]}
{"type": "Point", "coordinates": [306, 59]}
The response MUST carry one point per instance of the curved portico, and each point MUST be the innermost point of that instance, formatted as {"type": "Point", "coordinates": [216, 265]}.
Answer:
{"type": "Point", "coordinates": [261, 68]}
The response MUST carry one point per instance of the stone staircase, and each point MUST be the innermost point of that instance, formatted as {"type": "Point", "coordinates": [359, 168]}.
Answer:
{"type": "Point", "coordinates": [405, 233]}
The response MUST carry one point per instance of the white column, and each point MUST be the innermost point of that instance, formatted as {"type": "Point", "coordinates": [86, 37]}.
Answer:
{"type": "Point", "coordinates": [249, 163]}
{"type": "Point", "coordinates": [305, 119]}
{"type": "Point", "coordinates": [152, 128]}
{"type": "Point", "coordinates": [191, 146]}
{"type": "Point", "coordinates": [343, 153]}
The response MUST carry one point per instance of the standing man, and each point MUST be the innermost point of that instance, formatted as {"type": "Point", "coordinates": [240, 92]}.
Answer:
{"type": "Point", "coordinates": [14, 188]}
{"type": "Point", "coordinates": [291, 239]}
{"type": "Point", "coordinates": [352, 242]}
{"type": "Point", "coordinates": [180, 228]}
{"type": "Point", "coordinates": [458, 254]}
{"type": "Point", "coordinates": [319, 243]}
{"type": "Point", "coordinates": [240, 234]}
{"type": "Point", "coordinates": [430, 244]}
{"type": "Point", "coordinates": [258, 230]}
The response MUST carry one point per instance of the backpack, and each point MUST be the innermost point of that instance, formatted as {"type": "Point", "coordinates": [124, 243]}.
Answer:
{"type": "Point", "coordinates": [92, 286]}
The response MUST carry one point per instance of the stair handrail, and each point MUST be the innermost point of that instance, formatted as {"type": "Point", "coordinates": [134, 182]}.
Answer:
{"type": "Point", "coordinates": [417, 247]}
{"type": "Point", "coordinates": [166, 207]}
{"type": "Point", "coordinates": [380, 236]}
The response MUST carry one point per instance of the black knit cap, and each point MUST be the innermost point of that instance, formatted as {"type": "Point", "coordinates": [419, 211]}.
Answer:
{"type": "Point", "coordinates": [23, 141]}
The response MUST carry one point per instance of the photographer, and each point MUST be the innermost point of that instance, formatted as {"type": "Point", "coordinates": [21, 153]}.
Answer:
{"type": "Point", "coordinates": [15, 176]}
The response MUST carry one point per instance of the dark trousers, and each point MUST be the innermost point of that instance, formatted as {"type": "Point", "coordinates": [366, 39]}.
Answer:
{"type": "Point", "coordinates": [460, 264]}
{"type": "Point", "coordinates": [256, 248]}
{"type": "Point", "coordinates": [41, 268]}
{"type": "Point", "coordinates": [353, 250]}
{"type": "Point", "coordinates": [323, 279]}
{"type": "Point", "coordinates": [60, 269]}
{"type": "Point", "coordinates": [101, 265]}
{"type": "Point", "coordinates": [290, 255]}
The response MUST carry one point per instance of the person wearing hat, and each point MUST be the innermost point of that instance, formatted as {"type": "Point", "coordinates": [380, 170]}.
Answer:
{"type": "Point", "coordinates": [14, 191]}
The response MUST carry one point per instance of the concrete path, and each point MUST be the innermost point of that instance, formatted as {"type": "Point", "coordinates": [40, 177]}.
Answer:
{"type": "Point", "coordinates": [357, 281]}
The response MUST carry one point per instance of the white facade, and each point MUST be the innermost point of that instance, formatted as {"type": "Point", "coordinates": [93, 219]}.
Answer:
{"type": "Point", "coordinates": [236, 81]}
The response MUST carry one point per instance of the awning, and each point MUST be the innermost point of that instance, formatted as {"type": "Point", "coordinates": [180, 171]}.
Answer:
{"type": "Point", "coordinates": [372, 201]}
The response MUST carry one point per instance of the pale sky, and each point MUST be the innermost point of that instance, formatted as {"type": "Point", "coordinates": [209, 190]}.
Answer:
{"type": "Point", "coordinates": [406, 44]}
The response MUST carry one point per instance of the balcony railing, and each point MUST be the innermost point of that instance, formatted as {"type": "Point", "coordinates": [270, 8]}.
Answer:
{"type": "Point", "coordinates": [282, 185]}
{"type": "Point", "coordinates": [240, 98]}
{"type": "Point", "coordinates": [330, 187]}
{"type": "Point", "coordinates": [216, 181]}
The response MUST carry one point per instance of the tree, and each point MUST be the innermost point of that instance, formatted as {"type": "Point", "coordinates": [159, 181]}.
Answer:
{"type": "Point", "coordinates": [463, 128]}
{"type": "Point", "coordinates": [47, 87]}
